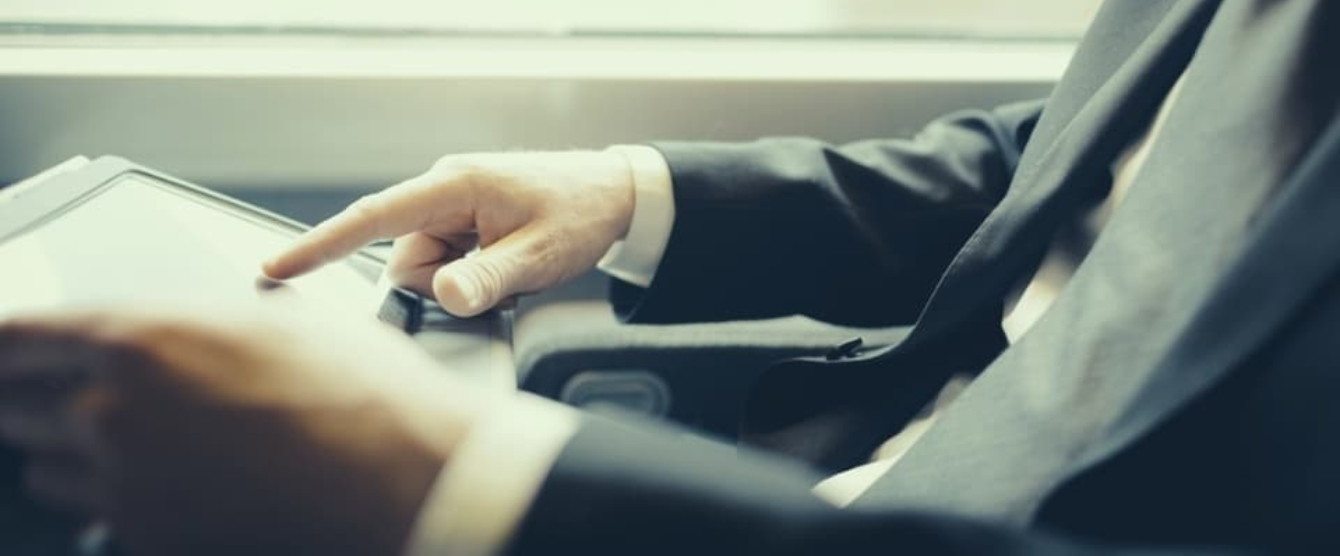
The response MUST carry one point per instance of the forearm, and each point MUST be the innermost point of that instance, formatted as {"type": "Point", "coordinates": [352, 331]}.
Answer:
{"type": "Point", "coordinates": [855, 234]}
{"type": "Point", "coordinates": [542, 478]}
{"type": "Point", "coordinates": [642, 488]}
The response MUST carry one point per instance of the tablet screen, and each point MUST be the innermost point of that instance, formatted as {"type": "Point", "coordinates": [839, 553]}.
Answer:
{"type": "Point", "coordinates": [144, 241]}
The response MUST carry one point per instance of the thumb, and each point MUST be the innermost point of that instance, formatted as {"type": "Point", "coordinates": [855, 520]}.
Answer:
{"type": "Point", "coordinates": [469, 286]}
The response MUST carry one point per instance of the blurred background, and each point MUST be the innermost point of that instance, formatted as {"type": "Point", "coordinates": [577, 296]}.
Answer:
{"type": "Point", "coordinates": [937, 18]}
{"type": "Point", "coordinates": [302, 105]}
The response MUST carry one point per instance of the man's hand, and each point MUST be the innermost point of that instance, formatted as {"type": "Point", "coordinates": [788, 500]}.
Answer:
{"type": "Point", "coordinates": [539, 219]}
{"type": "Point", "coordinates": [231, 435]}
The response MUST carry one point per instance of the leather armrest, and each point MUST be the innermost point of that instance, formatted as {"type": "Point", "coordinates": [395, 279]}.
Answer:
{"type": "Point", "coordinates": [568, 345]}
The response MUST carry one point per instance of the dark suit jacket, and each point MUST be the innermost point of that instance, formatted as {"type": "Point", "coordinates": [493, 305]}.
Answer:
{"type": "Point", "coordinates": [1232, 442]}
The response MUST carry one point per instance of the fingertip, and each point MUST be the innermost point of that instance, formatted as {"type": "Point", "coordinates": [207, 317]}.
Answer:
{"type": "Point", "coordinates": [287, 265]}
{"type": "Point", "coordinates": [275, 268]}
{"type": "Point", "coordinates": [270, 269]}
{"type": "Point", "coordinates": [458, 295]}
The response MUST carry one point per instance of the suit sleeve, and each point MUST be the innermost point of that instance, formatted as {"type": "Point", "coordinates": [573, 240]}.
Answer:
{"type": "Point", "coordinates": [618, 489]}
{"type": "Point", "coordinates": [855, 234]}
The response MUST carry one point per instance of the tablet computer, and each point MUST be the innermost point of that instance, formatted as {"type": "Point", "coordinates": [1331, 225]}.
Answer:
{"type": "Point", "coordinates": [111, 231]}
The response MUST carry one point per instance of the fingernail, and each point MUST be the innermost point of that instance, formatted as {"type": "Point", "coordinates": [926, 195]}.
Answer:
{"type": "Point", "coordinates": [469, 292]}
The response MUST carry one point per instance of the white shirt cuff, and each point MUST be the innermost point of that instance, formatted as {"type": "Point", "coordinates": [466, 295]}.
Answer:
{"type": "Point", "coordinates": [636, 258]}
{"type": "Point", "coordinates": [488, 485]}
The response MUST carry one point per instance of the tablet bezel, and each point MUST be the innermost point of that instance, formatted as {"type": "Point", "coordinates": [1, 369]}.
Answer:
{"type": "Point", "coordinates": [35, 206]}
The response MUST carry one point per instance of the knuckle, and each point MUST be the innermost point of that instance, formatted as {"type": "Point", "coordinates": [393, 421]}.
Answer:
{"type": "Point", "coordinates": [492, 278]}
{"type": "Point", "coordinates": [445, 163]}
{"type": "Point", "coordinates": [398, 275]}
{"type": "Point", "coordinates": [402, 277]}
{"type": "Point", "coordinates": [548, 252]}
{"type": "Point", "coordinates": [367, 205]}
{"type": "Point", "coordinates": [544, 245]}
{"type": "Point", "coordinates": [367, 209]}
{"type": "Point", "coordinates": [464, 169]}
{"type": "Point", "coordinates": [449, 164]}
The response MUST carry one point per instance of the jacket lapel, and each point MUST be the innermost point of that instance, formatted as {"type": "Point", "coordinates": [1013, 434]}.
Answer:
{"type": "Point", "coordinates": [1072, 169]}
{"type": "Point", "coordinates": [832, 413]}
{"type": "Point", "coordinates": [1296, 251]}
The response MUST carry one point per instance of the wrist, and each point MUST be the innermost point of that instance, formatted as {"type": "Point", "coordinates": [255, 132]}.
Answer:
{"type": "Point", "coordinates": [625, 190]}
{"type": "Point", "coordinates": [486, 488]}
{"type": "Point", "coordinates": [636, 257]}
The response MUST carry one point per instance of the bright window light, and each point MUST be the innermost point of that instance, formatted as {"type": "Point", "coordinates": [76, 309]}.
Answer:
{"type": "Point", "coordinates": [1036, 19]}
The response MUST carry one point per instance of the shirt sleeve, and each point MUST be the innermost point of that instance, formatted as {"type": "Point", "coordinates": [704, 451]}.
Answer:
{"type": "Point", "coordinates": [636, 258]}
{"type": "Point", "coordinates": [481, 495]}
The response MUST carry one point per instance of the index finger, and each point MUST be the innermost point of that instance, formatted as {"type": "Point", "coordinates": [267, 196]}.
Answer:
{"type": "Point", "coordinates": [390, 213]}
